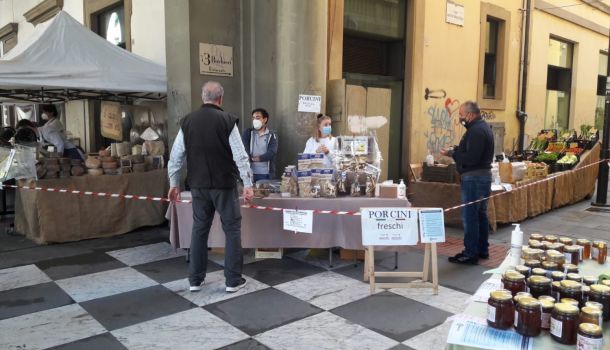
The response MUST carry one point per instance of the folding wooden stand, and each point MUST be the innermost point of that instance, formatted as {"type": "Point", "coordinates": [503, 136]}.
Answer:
{"type": "Point", "coordinates": [430, 258]}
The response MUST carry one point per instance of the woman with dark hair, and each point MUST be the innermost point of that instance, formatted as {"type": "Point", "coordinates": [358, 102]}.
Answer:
{"type": "Point", "coordinates": [322, 140]}
{"type": "Point", "coordinates": [53, 132]}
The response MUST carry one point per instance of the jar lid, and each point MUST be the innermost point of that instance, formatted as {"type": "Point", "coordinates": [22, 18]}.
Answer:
{"type": "Point", "coordinates": [521, 295]}
{"type": "Point", "coordinates": [500, 295]}
{"type": "Point", "coordinates": [538, 271]}
{"type": "Point", "coordinates": [537, 236]}
{"type": "Point", "coordinates": [534, 243]}
{"type": "Point", "coordinates": [606, 282]}
{"type": "Point", "coordinates": [590, 279]}
{"type": "Point", "coordinates": [572, 249]}
{"type": "Point", "coordinates": [600, 289]}
{"type": "Point", "coordinates": [556, 246]}
{"type": "Point", "coordinates": [566, 308]}
{"type": "Point", "coordinates": [558, 274]}
{"type": "Point", "coordinates": [590, 329]}
{"type": "Point", "coordinates": [583, 241]}
{"type": "Point", "coordinates": [570, 285]}
{"type": "Point", "coordinates": [529, 303]}
{"type": "Point", "coordinates": [556, 284]}
{"type": "Point", "coordinates": [513, 276]}
{"type": "Point", "coordinates": [546, 297]}
{"type": "Point", "coordinates": [550, 237]}
{"type": "Point", "coordinates": [570, 267]}
{"type": "Point", "coordinates": [574, 277]}
{"type": "Point", "coordinates": [586, 289]}
{"type": "Point", "coordinates": [547, 304]}
{"type": "Point", "coordinates": [551, 252]}
{"type": "Point", "coordinates": [565, 240]}
{"type": "Point", "coordinates": [591, 311]}
{"type": "Point", "coordinates": [595, 304]}
{"type": "Point", "coordinates": [522, 269]}
{"type": "Point", "coordinates": [549, 265]}
{"type": "Point", "coordinates": [596, 243]}
{"type": "Point", "coordinates": [533, 262]}
{"type": "Point", "coordinates": [539, 280]}
{"type": "Point", "coordinates": [569, 301]}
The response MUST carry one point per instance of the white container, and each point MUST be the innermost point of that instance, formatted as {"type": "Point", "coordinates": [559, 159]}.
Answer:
{"type": "Point", "coordinates": [402, 190]}
{"type": "Point", "coordinates": [516, 245]}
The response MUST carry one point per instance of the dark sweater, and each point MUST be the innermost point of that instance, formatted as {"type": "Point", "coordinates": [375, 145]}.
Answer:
{"type": "Point", "coordinates": [476, 150]}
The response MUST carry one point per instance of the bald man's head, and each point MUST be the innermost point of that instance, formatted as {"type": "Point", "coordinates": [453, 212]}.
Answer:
{"type": "Point", "coordinates": [212, 92]}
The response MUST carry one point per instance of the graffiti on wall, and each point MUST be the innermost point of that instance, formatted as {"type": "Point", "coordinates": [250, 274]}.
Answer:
{"type": "Point", "coordinates": [444, 122]}
{"type": "Point", "coordinates": [488, 115]}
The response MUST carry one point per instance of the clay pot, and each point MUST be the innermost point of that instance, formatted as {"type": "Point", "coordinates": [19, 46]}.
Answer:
{"type": "Point", "coordinates": [77, 170]}
{"type": "Point", "coordinates": [95, 172]}
{"type": "Point", "coordinates": [93, 163]}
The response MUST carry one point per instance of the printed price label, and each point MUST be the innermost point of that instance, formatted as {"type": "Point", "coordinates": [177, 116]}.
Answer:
{"type": "Point", "coordinates": [491, 313]}
{"type": "Point", "coordinates": [556, 327]}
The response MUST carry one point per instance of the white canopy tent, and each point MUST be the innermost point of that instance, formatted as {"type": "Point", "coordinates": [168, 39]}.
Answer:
{"type": "Point", "coordinates": [63, 60]}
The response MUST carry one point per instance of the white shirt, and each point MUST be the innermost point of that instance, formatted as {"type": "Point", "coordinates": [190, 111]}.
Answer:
{"type": "Point", "coordinates": [240, 157]}
{"type": "Point", "coordinates": [53, 132]}
{"type": "Point", "coordinates": [330, 142]}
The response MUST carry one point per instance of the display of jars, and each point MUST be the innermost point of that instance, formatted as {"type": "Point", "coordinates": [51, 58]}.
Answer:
{"type": "Point", "coordinates": [528, 317]}
{"type": "Point", "coordinates": [570, 268]}
{"type": "Point", "coordinates": [513, 281]}
{"type": "Point", "coordinates": [599, 251]}
{"type": "Point", "coordinates": [574, 277]}
{"type": "Point", "coordinates": [601, 294]}
{"type": "Point", "coordinates": [564, 323]}
{"type": "Point", "coordinates": [586, 248]}
{"type": "Point", "coordinates": [500, 310]}
{"type": "Point", "coordinates": [524, 270]}
{"type": "Point", "coordinates": [558, 276]}
{"type": "Point", "coordinates": [539, 272]}
{"type": "Point", "coordinates": [572, 254]}
{"type": "Point", "coordinates": [571, 289]}
{"type": "Point", "coordinates": [539, 285]}
{"type": "Point", "coordinates": [589, 337]}
{"type": "Point", "coordinates": [590, 314]}
{"type": "Point", "coordinates": [589, 280]}
{"type": "Point", "coordinates": [566, 241]}
{"type": "Point", "coordinates": [547, 310]}
{"type": "Point", "coordinates": [550, 238]}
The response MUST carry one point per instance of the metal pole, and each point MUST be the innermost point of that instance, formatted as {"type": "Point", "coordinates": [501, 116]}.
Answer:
{"type": "Point", "coordinates": [602, 178]}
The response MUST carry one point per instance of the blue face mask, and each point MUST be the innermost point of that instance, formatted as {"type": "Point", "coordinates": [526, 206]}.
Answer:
{"type": "Point", "coordinates": [326, 130]}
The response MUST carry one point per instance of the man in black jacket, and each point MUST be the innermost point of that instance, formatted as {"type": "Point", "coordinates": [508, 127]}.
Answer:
{"type": "Point", "coordinates": [473, 159]}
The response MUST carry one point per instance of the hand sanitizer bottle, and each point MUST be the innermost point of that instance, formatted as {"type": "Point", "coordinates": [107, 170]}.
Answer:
{"type": "Point", "coordinates": [402, 190]}
{"type": "Point", "coordinates": [516, 244]}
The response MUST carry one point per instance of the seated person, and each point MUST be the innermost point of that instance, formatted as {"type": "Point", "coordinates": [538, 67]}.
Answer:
{"type": "Point", "coordinates": [322, 140]}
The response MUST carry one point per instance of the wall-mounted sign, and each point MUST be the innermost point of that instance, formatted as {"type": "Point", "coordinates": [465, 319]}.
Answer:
{"type": "Point", "coordinates": [215, 60]}
{"type": "Point", "coordinates": [110, 121]}
{"type": "Point", "coordinates": [310, 103]}
{"type": "Point", "coordinates": [455, 13]}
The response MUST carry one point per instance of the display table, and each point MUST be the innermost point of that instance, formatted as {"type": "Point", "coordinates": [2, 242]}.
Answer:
{"type": "Point", "coordinates": [544, 341]}
{"type": "Point", "coordinates": [264, 229]}
{"type": "Point", "coordinates": [46, 217]}
{"type": "Point", "coordinates": [561, 189]}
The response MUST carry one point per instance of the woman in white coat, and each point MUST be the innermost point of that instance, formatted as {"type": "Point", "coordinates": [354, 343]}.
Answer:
{"type": "Point", "coordinates": [323, 141]}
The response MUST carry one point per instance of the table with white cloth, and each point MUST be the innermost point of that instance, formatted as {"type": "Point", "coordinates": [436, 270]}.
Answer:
{"type": "Point", "coordinates": [264, 228]}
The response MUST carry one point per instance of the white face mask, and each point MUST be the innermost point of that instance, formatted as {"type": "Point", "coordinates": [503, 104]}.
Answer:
{"type": "Point", "coordinates": [44, 116]}
{"type": "Point", "coordinates": [257, 124]}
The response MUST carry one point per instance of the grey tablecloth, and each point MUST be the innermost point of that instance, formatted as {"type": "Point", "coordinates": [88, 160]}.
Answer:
{"type": "Point", "coordinates": [264, 229]}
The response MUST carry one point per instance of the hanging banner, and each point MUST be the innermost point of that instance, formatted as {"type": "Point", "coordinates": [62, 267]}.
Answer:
{"type": "Point", "coordinates": [110, 121]}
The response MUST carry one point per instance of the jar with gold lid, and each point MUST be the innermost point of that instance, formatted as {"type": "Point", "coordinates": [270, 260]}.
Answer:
{"type": "Point", "coordinates": [572, 254]}
{"type": "Point", "coordinates": [550, 266]}
{"type": "Point", "coordinates": [599, 251]}
{"type": "Point", "coordinates": [528, 317]}
{"type": "Point", "coordinates": [590, 314]}
{"type": "Point", "coordinates": [585, 294]}
{"type": "Point", "coordinates": [585, 245]}
{"type": "Point", "coordinates": [539, 285]}
{"type": "Point", "coordinates": [569, 301]}
{"type": "Point", "coordinates": [547, 297]}
{"type": "Point", "coordinates": [539, 272]}
{"type": "Point", "coordinates": [532, 264]}
{"type": "Point", "coordinates": [537, 236]}
{"type": "Point", "coordinates": [547, 310]}
{"type": "Point", "coordinates": [601, 294]}
{"type": "Point", "coordinates": [550, 238]}
{"type": "Point", "coordinates": [531, 254]}
{"type": "Point", "coordinates": [566, 241]}
{"type": "Point", "coordinates": [570, 268]}
{"type": "Point", "coordinates": [556, 257]}
{"type": "Point", "coordinates": [589, 337]}
{"type": "Point", "coordinates": [595, 304]}
{"type": "Point", "coordinates": [556, 246]}
{"type": "Point", "coordinates": [524, 270]}
{"type": "Point", "coordinates": [564, 323]}
{"type": "Point", "coordinates": [605, 282]}
{"type": "Point", "coordinates": [571, 289]}
{"type": "Point", "coordinates": [558, 276]}
{"type": "Point", "coordinates": [574, 277]}
{"type": "Point", "coordinates": [535, 244]}
{"type": "Point", "coordinates": [513, 281]}
{"type": "Point", "coordinates": [556, 290]}
{"type": "Point", "coordinates": [500, 310]}
{"type": "Point", "coordinates": [589, 280]}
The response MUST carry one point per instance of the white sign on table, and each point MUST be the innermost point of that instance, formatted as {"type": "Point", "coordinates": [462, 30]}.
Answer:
{"type": "Point", "coordinates": [432, 225]}
{"type": "Point", "coordinates": [455, 13]}
{"type": "Point", "coordinates": [389, 226]}
{"type": "Point", "coordinates": [298, 220]}
{"type": "Point", "coordinates": [310, 103]}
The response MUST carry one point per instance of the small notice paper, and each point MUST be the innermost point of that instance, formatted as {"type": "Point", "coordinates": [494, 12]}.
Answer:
{"type": "Point", "coordinates": [389, 226]}
{"type": "Point", "coordinates": [298, 220]}
{"type": "Point", "coordinates": [310, 103]}
{"type": "Point", "coordinates": [468, 332]}
{"type": "Point", "coordinates": [482, 294]}
{"type": "Point", "coordinates": [432, 225]}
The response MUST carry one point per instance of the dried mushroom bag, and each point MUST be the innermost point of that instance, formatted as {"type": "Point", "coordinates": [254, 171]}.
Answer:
{"type": "Point", "coordinates": [303, 161]}
{"type": "Point", "coordinates": [304, 181]}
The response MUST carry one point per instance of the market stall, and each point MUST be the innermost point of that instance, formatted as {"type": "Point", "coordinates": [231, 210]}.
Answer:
{"type": "Point", "coordinates": [485, 324]}
{"type": "Point", "coordinates": [534, 195]}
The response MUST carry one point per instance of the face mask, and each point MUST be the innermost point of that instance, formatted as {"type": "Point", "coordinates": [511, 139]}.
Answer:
{"type": "Point", "coordinates": [257, 124]}
{"type": "Point", "coordinates": [44, 116]}
{"type": "Point", "coordinates": [326, 130]}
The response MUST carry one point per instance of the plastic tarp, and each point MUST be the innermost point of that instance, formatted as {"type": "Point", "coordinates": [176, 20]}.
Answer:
{"type": "Point", "coordinates": [63, 54]}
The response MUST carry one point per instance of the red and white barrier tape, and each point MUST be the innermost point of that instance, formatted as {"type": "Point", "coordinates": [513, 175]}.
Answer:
{"type": "Point", "coordinates": [526, 186]}
{"type": "Point", "coordinates": [258, 207]}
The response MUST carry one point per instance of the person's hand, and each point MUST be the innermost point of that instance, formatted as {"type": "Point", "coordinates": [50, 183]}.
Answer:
{"type": "Point", "coordinates": [256, 159]}
{"type": "Point", "coordinates": [248, 194]}
{"type": "Point", "coordinates": [174, 194]}
{"type": "Point", "coordinates": [323, 149]}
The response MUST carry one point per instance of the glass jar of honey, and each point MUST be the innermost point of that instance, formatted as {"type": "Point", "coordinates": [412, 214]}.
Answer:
{"type": "Point", "coordinates": [539, 285]}
{"type": "Point", "coordinates": [524, 270]}
{"type": "Point", "coordinates": [572, 254]}
{"type": "Point", "coordinates": [550, 238]}
{"type": "Point", "coordinates": [574, 277]}
{"type": "Point", "coordinates": [535, 244]}
{"type": "Point", "coordinates": [601, 294]}
{"type": "Point", "coordinates": [556, 290]}
{"type": "Point", "coordinates": [513, 281]}
{"type": "Point", "coordinates": [596, 305]}
{"type": "Point", "coordinates": [585, 294]}
{"type": "Point", "coordinates": [566, 241]}
{"type": "Point", "coordinates": [547, 310]}
{"type": "Point", "coordinates": [537, 236]}
{"type": "Point", "coordinates": [538, 272]}
{"type": "Point", "coordinates": [556, 257]}
{"type": "Point", "coordinates": [528, 317]}
{"type": "Point", "coordinates": [564, 323]}
{"type": "Point", "coordinates": [586, 248]}
{"type": "Point", "coordinates": [571, 289]}
{"type": "Point", "coordinates": [547, 297]}
{"type": "Point", "coordinates": [531, 254]}
{"type": "Point", "coordinates": [558, 276]}
{"type": "Point", "coordinates": [591, 315]}
{"type": "Point", "coordinates": [589, 337]}
{"type": "Point", "coordinates": [589, 280]}
{"type": "Point", "coordinates": [569, 301]}
{"type": "Point", "coordinates": [599, 251]}
{"type": "Point", "coordinates": [556, 246]}
{"type": "Point", "coordinates": [532, 264]}
{"type": "Point", "coordinates": [550, 266]}
{"type": "Point", "coordinates": [500, 310]}
{"type": "Point", "coordinates": [570, 268]}
{"type": "Point", "coordinates": [545, 244]}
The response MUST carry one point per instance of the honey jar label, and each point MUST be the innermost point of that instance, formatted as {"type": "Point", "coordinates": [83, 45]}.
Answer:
{"type": "Point", "coordinates": [556, 327]}
{"type": "Point", "coordinates": [568, 257]}
{"type": "Point", "coordinates": [545, 320]}
{"type": "Point", "coordinates": [594, 253]}
{"type": "Point", "coordinates": [516, 318]}
{"type": "Point", "coordinates": [586, 343]}
{"type": "Point", "coordinates": [581, 253]}
{"type": "Point", "coordinates": [491, 313]}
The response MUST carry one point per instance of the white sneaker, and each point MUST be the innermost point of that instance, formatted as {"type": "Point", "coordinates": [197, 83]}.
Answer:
{"type": "Point", "coordinates": [237, 287]}
{"type": "Point", "coordinates": [196, 288]}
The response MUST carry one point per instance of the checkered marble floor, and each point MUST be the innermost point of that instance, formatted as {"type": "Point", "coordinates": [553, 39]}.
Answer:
{"type": "Point", "coordinates": [137, 298]}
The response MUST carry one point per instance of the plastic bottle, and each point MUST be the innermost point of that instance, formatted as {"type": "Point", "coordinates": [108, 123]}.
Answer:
{"type": "Point", "coordinates": [402, 190]}
{"type": "Point", "coordinates": [504, 159]}
{"type": "Point", "coordinates": [429, 159]}
{"type": "Point", "coordinates": [516, 244]}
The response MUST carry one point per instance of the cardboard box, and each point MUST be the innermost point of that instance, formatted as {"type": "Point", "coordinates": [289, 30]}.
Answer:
{"type": "Point", "coordinates": [268, 253]}
{"type": "Point", "coordinates": [388, 191]}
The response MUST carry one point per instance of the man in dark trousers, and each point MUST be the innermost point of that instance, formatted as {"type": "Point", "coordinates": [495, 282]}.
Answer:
{"type": "Point", "coordinates": [261, 145]}
{"type": "Point", "coordinates": [210, 143]}
{"type": "Point", "coordinates": [473, 158]}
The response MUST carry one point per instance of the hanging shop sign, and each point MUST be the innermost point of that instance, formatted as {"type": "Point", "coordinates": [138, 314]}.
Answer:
{"type": "Point", "coordinates": [215, 60]}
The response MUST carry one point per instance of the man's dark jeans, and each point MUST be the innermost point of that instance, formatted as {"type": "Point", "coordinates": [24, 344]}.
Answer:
{"type": "Point", "coordinates": [205, 203]}
{"type": "Point", "coordinates": [476, 223]}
